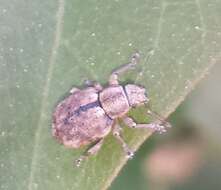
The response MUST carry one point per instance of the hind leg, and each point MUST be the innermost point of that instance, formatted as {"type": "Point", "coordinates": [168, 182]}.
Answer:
{"type": "Point", "coordinates": [73, 90]}
{"type": "Point", "coordinates": [91, 151]}
{"type": "Point", "coordinates": [118, 136]}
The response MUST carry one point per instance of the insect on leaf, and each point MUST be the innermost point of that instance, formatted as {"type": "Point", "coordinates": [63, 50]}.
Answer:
{"type": "Point", "coordinates": [47, 47]}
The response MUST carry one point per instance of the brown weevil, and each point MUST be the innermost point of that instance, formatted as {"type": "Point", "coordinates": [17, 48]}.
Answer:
{"type": "Point", "coordinates": [88, 115]}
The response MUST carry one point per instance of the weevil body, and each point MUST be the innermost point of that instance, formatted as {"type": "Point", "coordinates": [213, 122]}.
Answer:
{"type": "Point", "coordinates": [88, 115]}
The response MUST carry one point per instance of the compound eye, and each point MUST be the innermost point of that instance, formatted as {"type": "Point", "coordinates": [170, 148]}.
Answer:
{"type": "Point", "coordinates": [145, 93]}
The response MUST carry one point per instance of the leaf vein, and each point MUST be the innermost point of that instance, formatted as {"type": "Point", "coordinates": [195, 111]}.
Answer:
{"type": "Point", "coordinates": [52, 59]}
{"type": "Point", "coordinates": [157, 39]}
{"type": "Point", "coordinates": [203, 26]}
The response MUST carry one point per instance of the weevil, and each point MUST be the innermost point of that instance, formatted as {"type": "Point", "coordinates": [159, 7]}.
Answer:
{"type": "Point", "coordinates": [88, 115]}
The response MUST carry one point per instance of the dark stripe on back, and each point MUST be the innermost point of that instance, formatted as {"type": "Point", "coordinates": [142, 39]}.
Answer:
{"type": "Point", "coordinates": [89, 106]}
{"type": "Point", "coordinates": [126, 94]}
{"type": "Point", "coordinates": [86, 107]}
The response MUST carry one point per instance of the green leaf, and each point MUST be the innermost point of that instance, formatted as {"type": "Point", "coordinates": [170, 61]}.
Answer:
{"type": "Point", "coordinates": [46, 47]}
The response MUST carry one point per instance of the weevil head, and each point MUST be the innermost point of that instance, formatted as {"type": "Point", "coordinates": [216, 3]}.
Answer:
{"type": "Point", "coordinates": [137, 95]}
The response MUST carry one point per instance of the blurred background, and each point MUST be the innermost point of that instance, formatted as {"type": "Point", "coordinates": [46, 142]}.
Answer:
{"type": "Point", "coordinates": [187, 157]}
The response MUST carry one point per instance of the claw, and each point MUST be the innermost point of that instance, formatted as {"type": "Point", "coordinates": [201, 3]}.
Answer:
{"type": "Point", "coordinates": [130, 154]}
{"type": "Point", "coordinates": [78, 161]}
{"type": "Point", "coordinates": [135, 58]}
{"type": "Point", "coordinates": [160, 128]}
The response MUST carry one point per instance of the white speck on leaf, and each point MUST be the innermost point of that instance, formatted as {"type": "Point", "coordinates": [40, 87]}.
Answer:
{"type": "Point", "coordinates": [41, 42]}
{"type": "Point", "coordinates": [4, 10]}
{"type": "Point", "coordinates": [11, 105]}
{"type": "Point", "coordinates": [3, 133]}
{"type": "Point", "coordinates": [27, 28]}
{"type": "Point", "coordinates": [141, 73]}
{"type": "Point", "coordinates": [187, 84]}
{"type": "Point", "coordinates": [58, 177]}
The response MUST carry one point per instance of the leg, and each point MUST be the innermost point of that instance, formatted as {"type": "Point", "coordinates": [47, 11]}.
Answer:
{"type": "Point", "coordinates": [113, 80]}
{"type": "Point", "coordinates": [73, 90]}
{"type": "Point", "coordinates": [95, 84]}
{"type": "Point", "coordinates": [159, 117]}
{"type": "Point", "coordinates": [117, 135]}
{"type": "Point", "coordinates": [91, 151]}
{"type": "Point", "coordinates": [156, 126]}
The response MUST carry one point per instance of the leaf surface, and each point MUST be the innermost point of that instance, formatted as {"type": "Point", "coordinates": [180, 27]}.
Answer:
{"type": "Point", "coordinates": [47, 47]}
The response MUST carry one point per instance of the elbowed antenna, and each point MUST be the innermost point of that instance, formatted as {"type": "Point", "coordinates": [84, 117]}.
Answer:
{"type": "Point", "coordinates": [158, 116]}
{"type": "Point", "coordinates": [135, 58]}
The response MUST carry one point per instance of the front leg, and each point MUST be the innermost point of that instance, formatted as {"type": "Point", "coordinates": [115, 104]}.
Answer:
{"type": "Point", "coordinates": [113, 80]}
{"type": "Point", "coordinates": [156, 126]}
{"type": "Point", "coordinates": [94, 84]}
